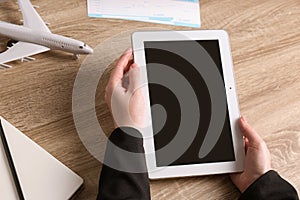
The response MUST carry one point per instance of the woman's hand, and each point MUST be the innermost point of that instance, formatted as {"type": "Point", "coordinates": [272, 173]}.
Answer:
{"type": "Point", "coordinates": [257, 160]}
{"type": "Point", "coordinates": [123, 93]}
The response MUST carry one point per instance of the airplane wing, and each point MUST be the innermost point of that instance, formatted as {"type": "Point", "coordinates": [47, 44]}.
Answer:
{"type": "Point", "coordinates": [31, 18]}
{"type": "Point", "coordinates": [21, 50]}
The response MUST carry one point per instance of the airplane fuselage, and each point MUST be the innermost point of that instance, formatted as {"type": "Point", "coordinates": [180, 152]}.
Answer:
{"type": "Point", "coordinates": [47, 39]}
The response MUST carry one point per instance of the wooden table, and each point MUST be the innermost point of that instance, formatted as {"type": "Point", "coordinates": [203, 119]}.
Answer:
{"type": "Point", "coordinates": [36, 97]}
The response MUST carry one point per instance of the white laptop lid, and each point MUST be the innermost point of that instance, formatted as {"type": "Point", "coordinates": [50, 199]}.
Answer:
{"type": "Point", "coordinates": [41, 175]}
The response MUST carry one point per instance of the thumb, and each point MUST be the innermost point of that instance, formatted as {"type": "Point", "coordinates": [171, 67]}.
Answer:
{"type": "Point", "coordinates": [248, 131]}
{"type": "Point", "coordinates": [134, 78]}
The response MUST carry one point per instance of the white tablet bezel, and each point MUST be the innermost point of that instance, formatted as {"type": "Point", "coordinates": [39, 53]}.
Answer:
{"type": "Point", "coordinates": [138, 39]}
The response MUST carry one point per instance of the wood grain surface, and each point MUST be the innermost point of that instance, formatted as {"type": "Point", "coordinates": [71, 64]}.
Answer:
{"type": "Point", "coordinates": [37, 97]}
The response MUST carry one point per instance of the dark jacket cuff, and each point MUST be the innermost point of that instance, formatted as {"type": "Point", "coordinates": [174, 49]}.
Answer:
{"type": "Point", "coordinates": [270, 186]}
{"type": "Point", "coordinates": [127, 138]}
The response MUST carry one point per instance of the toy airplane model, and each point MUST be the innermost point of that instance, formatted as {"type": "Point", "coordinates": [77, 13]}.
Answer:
{"type": "Point", "coordinates": [34, 37]}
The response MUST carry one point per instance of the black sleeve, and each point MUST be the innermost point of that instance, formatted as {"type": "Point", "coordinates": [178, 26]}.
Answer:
{"type": "Point", "coordinates": [270, 186]}
{"type": "Point", "coordinates": [122, 182]}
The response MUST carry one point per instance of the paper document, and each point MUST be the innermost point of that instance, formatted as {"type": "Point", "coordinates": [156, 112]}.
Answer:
{"type": "Point", "coordinates": [174, 12]}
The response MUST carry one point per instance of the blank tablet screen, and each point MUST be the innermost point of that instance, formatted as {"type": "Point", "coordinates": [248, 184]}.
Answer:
{"type": "Point", "coordinates": [166, 105]}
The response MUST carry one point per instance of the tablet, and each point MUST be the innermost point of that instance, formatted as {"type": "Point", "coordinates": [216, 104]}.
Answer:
{"type": "Point", "coordinates": [192, 100]}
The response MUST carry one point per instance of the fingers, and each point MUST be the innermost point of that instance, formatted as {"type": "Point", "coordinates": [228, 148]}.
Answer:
{"type": "Point", "coordinates": [118, 72]}
{"type": "Point", "coordinates": [121, 67]}
{"type": "Point", "coordinates": [251, 135]}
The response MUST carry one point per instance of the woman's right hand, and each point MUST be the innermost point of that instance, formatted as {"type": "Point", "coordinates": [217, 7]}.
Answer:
{"type": "Point", "coordinates": [257, 160]}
